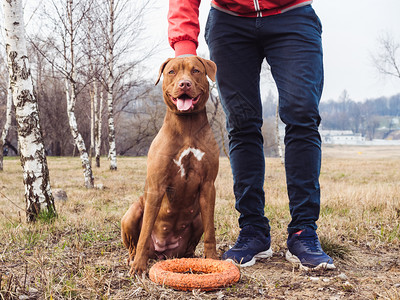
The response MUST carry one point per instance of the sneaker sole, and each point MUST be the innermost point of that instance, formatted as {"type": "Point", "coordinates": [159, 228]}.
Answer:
{"type": "Point", "coordinates": [263, 254]}
{"type": "Point", "coordinates": [295, 260]}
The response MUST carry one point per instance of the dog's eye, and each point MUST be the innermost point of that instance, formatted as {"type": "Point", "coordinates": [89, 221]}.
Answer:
{"type": "Point", "coordinates": [172, 72]}
{"type": "Point", "coordinates": [195, 71]}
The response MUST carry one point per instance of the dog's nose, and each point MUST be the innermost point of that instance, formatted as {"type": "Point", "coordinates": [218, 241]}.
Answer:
{"type": "Point", "coordinates": [185, 84]}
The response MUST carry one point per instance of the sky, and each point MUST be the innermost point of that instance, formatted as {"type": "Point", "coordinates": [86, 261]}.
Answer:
{"type": "Point", "coordinates": [351, 29]}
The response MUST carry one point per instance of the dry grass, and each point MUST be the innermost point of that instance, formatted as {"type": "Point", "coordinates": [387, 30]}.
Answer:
{"type": "Point", "coordinates": [80, 256]}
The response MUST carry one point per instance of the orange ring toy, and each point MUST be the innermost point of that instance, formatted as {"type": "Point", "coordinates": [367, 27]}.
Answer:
{"type": "Point", "coordinates": [188, 274]}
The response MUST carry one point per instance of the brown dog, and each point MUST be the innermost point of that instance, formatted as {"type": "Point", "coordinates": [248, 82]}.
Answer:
{"type": "Point", "coordinates": [179, 198]}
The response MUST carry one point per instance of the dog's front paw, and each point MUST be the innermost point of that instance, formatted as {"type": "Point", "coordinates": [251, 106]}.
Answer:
{"type": "Point", "coordinates": [211, 254]}
{"type": "Point", "coordinates": [138, 266]}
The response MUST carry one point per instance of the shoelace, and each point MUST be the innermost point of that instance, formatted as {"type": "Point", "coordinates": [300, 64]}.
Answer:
{"type": "Point", "coordinates": [310, 243]}
{"type": "Point", "coordinates": [241, 241]}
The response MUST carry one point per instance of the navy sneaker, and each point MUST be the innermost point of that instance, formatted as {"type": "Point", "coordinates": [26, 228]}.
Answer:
{"type": "Point", "coordinates": [251, 244]}
{"type": "Point", "coordinates": [305, 250]}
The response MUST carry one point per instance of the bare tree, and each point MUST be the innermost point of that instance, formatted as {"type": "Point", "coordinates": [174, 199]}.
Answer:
{"type": "Point", "coordinates": [112, 152]}
{"type": "Point", "coordinates": [50, 91]}
{"type": "Point", "coordinates": [6, 126]}
{"type": "Point", "coordinates": [371, 126]}
{"type": "Point", "coordinates": [5, 94]}
{"type": "Point", "coordinates": [94, 52]}
{"type": "Point", "coordinates": [67, 18]}
{"type": "Point", "coordinates": [98, 108]}
{"type": "Point", "coordinates": [140, 120]}
{"type": "Point", "coordinates": [93, 95]}
{"type": "Point", "coordinates": [278, 136]}
{"type": "Point", "coordinates": [217, 119]}
{"type": "Point", "coordinates": [122, 31]}
{"type": "Point", "coordinates": [387, 61]}
{"type": "Point", "coordinates": [38, 194]}
{"type": "Point", "coordinates": [72, 25]}
{"type": "Point", "coordinates": [107, 54]}
{"type": "Point", "coordinates": [93, 102]}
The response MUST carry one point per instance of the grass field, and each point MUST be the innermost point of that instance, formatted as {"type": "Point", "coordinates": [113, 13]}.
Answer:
{"type": "Point", "coordinates": [80, 255]}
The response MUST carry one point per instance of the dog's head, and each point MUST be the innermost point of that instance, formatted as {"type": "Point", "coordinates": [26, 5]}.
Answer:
{"type": "Point", "coordinates": [185, 84]}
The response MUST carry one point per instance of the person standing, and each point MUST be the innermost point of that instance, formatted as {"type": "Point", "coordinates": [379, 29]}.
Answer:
{"type": "Point", "coordinates": [240, 34]}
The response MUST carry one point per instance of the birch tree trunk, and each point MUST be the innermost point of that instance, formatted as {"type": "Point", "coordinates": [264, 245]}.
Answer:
{"type": "Point", "coordinates": [278, 137]}
{"type": "Point", "coordinates": [112, 152]}
{"type": "Point", "coordinates": [92, 93]}
{"type": "Point", "coordinates": [70, 92]}
{"type": "Point", "coordinates": [7, 125]}
{"type": "Point", "coordinates": [38, 194]}
{"type": "Point", "coordinates": [98, 108]}
{"type": "Point", "coordinates": [92, 126]}
{"type": "Point", "coordinates": [78, 140]}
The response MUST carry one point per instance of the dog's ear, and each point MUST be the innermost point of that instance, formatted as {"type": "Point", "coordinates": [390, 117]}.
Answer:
{"type": "Point", "coordinates": [211, 67]}
{"type": "Point", "coordinates": [162, 69]}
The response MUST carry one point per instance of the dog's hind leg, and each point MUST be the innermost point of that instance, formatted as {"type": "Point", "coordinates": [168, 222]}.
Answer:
{"type": "Point", "coordinates": [131, 224]}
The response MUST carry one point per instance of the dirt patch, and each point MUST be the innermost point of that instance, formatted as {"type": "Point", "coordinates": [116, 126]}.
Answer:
{"type": "Point", "coordinates": [367, 274]}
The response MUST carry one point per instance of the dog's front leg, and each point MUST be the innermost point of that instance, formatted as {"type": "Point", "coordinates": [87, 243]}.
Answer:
{"type": "Point", "coordinates": [207, 206]}
{"type": "Point", "coordinates": [153, 198]}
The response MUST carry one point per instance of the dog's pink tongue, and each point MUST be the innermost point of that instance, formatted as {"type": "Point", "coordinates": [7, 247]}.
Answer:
{"type": "Point", "coordinates": [184, 105]}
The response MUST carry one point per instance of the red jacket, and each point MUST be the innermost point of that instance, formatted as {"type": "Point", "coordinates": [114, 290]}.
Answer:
{"type": "Point", "coordinates": [183, 17]}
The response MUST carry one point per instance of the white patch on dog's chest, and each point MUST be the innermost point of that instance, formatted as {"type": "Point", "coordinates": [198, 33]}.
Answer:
{"type": "Point", "coordinates": [198, 154]}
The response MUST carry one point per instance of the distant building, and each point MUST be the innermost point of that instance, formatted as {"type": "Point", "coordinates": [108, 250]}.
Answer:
{"type": "Point", "coordinates": [341, 137]}
{"type": "Point", "coordinates": [347, 137]}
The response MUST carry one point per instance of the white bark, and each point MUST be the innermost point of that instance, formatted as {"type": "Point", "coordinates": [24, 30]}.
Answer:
{"type": "Point", "coordinates": [7, 125]}
{"type": "Point", "coordinates": [78, 140]}
{"type": "Point", "coordinates": [33, 160]}
{"type": "Point", "coordinates": [112, 152]}
{"type": "Point", "coordinates": [70, 92]}
{"type": "Point", "coordinates": [92, 127]}
{"type": "Point", "coordinates": [278, 137]}
{"type": "Point", "coordinates": [98, 108]}
{"type": "Point", "coordinates": [93, 95]}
